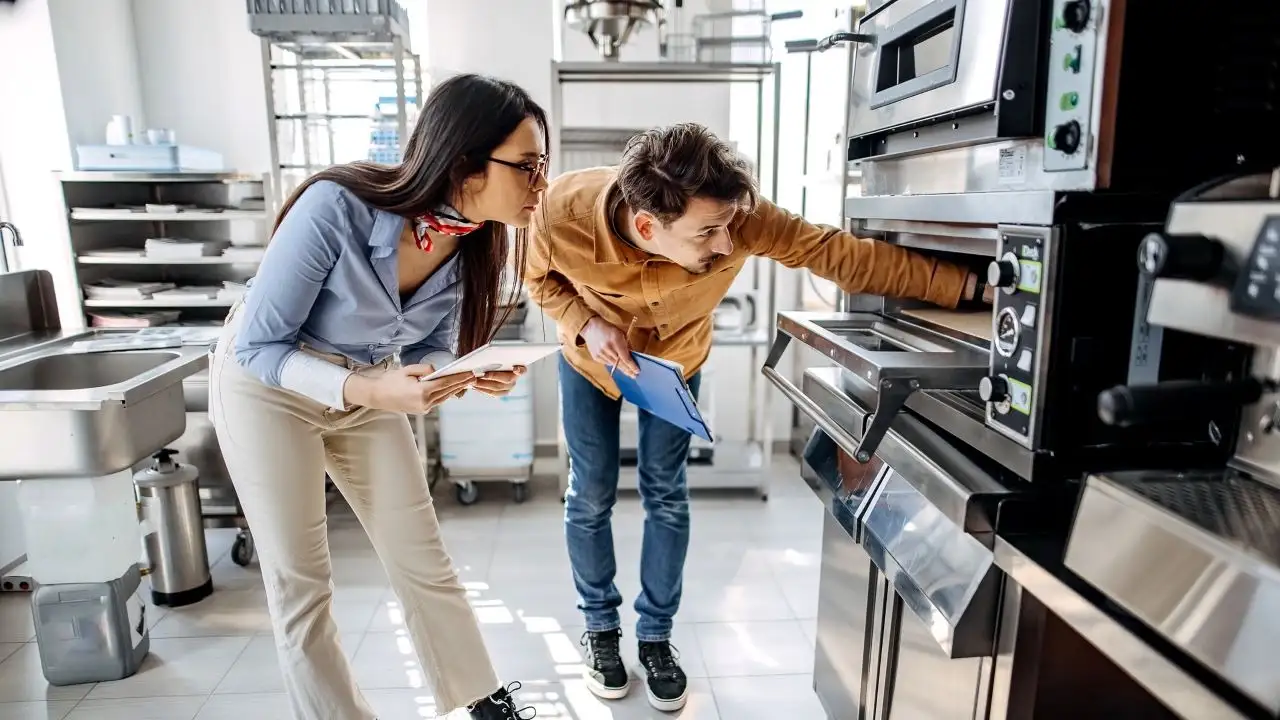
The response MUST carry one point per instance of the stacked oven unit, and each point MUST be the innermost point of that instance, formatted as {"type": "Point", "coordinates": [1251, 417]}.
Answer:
{"type": "Point", "coordinates": [1039, 142]}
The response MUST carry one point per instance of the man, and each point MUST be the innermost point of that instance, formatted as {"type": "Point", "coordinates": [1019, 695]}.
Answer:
{"type": "Point", "coordinates": [637, 257]}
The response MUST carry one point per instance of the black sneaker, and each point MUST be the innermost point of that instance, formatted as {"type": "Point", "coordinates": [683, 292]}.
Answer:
{"type": "Point", "coordinates": [501, 706]}
{"type": "Point", "coordinates": [605, 674]}
{"type": "Point", "coordinates": [667, 685]}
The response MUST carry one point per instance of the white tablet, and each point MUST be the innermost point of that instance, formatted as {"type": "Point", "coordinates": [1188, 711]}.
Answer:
{"type": "Point", "coordinates": [501, 355]}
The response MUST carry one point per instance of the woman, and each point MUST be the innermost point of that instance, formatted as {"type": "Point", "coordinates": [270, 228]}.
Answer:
{"type": "Point", "coordinates": [367, 262]}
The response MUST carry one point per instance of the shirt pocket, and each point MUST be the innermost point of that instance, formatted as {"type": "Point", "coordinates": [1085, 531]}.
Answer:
{"type": "Point", "coordinates": [616, 307]}
{"type": "Point", "coordinates": [699, 298]}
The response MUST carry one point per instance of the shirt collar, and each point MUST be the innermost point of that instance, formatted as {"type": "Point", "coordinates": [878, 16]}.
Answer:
{"type": "Point", "coordinates": [385, 238]}
{"type": "Point", "coordinates": [609, 247]}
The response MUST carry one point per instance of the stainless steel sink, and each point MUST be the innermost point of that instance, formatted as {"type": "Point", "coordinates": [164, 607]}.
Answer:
{"type": "Point", "coordinates": [69, 414]}
{"type": "Point", "coordinates": [80, 371]}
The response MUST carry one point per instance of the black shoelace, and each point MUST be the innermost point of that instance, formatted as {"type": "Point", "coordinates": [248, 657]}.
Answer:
{"type": "Point", "coordinates": [605, 649]}
{"type": "Point", "coordinates": [662, 661]}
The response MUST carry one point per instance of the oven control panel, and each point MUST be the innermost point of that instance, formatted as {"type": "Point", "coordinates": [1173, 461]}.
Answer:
{"type": "Point", "coordinates": [1010, 388]}
{"type": "Point", "coordinates": [1073, 44]}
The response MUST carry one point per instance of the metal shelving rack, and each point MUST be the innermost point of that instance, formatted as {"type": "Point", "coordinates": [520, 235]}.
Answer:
{"type": "Point", "coordinates": [312, 55]}
{"type": "Point", "coordinates": [98, 208]}
{"type": "Point", "coordinates": [734, 465]}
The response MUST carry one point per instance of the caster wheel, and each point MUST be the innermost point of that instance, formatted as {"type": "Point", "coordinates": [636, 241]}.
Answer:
{"type": "Point", "coordinates": [467, 494]}
{"type": "Point", "coordinates": [242, 550]}
{"type": "Point", "coordinates": [519, 492]}
{"type": "Point", "coordinates": [764, 497]}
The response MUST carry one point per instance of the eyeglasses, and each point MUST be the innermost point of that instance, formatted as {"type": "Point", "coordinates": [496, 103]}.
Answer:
{"type": "Point", "coordinates": [535, 168]}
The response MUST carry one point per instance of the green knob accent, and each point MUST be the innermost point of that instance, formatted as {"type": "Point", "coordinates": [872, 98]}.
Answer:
{"type": "Point", "coordinates": [1069, 101]}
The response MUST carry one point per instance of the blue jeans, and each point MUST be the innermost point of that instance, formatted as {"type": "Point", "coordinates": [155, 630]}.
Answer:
{"type": "Point", "coordinates": [591, 422]}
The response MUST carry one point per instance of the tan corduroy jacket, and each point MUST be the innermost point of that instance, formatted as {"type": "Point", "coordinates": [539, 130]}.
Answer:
{"type": "Point", "coordinates": [578, 269]}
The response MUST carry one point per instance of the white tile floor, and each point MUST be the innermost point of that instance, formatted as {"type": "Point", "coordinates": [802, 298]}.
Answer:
{"type": "Point", "coordinates": [745, 630]}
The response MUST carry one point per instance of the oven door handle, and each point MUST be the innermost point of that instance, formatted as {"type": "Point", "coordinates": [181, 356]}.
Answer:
{"type": "Point", "coordinates": [890, 401]}
{"type": "Point", "coordinates": [826, 43]}
{"type": "Point", "coordinates": [843, 439]}
{"type": "Point", "coordinates": [894, 381]}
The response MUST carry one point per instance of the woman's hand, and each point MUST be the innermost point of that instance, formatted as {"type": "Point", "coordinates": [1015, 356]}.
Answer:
{"type": "Point", "coordinates": [497, 384]}
{"type": "Point", "coordinates": [404, 390]}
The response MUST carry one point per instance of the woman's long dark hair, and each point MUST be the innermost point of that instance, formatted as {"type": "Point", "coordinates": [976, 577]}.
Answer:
{"type": "Point", "coordinates": [464, 119]}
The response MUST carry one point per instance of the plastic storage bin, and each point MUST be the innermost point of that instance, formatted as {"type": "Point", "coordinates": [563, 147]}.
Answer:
{"type": "Point", "coordinates": [487, 433]}
{"type": "Point", "coordinates": [91, 632]}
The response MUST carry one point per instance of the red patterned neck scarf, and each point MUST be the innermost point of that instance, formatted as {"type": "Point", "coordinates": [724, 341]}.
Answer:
{"type": "Point", "coordinates": [446, 221]}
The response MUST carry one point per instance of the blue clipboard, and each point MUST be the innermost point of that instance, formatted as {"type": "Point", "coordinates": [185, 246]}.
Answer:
{"type": "Point", "coordinates": [660, 389]}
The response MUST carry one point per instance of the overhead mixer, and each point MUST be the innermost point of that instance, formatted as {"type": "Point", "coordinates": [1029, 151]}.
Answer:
{"type": "Point", "coordinates": [610, 23]}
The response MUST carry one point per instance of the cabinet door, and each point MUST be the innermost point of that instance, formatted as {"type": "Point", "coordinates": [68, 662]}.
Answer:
{"type": "Point", "coordinates": [920, 680]}
{"type": "Point", "coordinates": [847, 597]}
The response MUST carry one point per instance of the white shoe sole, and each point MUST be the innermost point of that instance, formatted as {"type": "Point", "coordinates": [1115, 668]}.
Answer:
{"type": "Point", "coordinates": [667, 705]}
{"type": "Point", "coordinates": [598, 689]}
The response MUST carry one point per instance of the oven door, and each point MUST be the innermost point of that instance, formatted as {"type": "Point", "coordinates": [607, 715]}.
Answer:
{"type": "Point", "coordinates": [930, 58]}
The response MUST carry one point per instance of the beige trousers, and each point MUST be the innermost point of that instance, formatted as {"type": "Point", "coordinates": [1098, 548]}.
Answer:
{"type": "Point", "coordinates": [277, 445]}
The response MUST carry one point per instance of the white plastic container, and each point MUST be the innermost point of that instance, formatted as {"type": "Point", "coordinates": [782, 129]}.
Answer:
{"type": "Point", "coordinates": [479, 432]}
{"type": "Point", "coordinates": [80, 530]}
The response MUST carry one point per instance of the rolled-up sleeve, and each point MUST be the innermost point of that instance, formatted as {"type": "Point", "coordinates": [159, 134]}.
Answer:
{"type": "Point", "coordinates": [302, 252]}
{"type": "Point", "coordinates": [440, 347]}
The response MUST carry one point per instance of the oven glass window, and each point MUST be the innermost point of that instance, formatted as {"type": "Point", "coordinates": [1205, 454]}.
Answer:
{"type": "Point", "coordinates": [927, 48]}
{"type": "Point", "coordinates": [932, 52]}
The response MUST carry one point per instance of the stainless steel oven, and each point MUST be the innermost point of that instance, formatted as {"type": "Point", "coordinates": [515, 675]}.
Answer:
{"type": "Point", "coordinates": [1018, 383]}
{"type": "Point", "coordinates": [958, 119]}
{"type": "Point", "coordinates": [1066, 94]}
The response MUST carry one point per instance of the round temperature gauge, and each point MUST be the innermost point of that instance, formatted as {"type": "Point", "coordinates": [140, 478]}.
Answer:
{"type": "Point", "coordinates": [1008, 331]}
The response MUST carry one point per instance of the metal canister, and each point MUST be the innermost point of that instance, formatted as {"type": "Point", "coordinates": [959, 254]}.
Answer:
{"type": "Point", "coordinates": [169, 493]}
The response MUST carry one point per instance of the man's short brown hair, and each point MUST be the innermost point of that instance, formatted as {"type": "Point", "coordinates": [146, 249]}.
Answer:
{"type": "Point", "coordinates": [664, 168]}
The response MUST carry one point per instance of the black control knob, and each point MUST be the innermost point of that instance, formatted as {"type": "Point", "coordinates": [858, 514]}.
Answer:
{"type": "Point", "coordinates": [993, 388]}
{"type": "Point", "coordinates": [1075, 15]}
{"type": "Point", "coordinates": [1066, 137]}
{"type": "Point", "coordinates": [1185, 257]}
{"type": "Point", "coordinates": [1127, 406]}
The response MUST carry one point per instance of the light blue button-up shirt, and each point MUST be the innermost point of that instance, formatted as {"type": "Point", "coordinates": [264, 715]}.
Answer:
{"type": "Point", "coordinates": [330, 280]}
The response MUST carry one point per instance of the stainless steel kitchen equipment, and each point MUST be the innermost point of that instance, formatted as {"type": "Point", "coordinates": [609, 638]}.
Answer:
{"type": "Point", "coordinates": [1004, 202]}
{"type": "Point", "coordinates": [1016, 138]}
{"type": "Point", "coordinates": [169, 497]}
{"type": "Point", "coordinates": [610, 23]}
{"type": "Point", "coordinates": [1195, 555]}
{"type": "Point", "coordinates": [70, 415]}
{"type": "Point", "coordinates": [1057, 94]}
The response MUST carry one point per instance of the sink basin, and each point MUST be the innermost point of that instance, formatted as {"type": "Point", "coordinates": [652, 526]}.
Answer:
{"type": "Point", "coordinates": [66, 414]}
{"type": "Point", "coordinates": [80, 371]}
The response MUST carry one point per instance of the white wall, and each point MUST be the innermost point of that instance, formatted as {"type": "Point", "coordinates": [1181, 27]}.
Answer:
{"type": "Point", "coordinates": [97, 64]}
{"type": "Point", "coordinates": [201, 76]}
{"type": "Point", "coordinates": [34, 143]}
{"type": "Point", "coordinates": [509, 39]}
